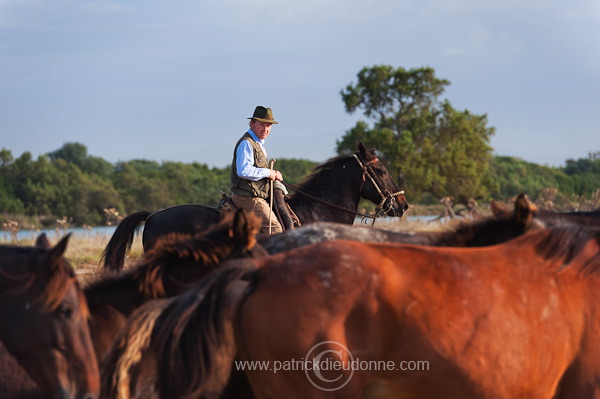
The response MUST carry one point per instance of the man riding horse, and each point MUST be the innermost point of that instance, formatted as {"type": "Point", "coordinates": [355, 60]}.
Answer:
{"type": "Point", "coordinates": [251, 175]}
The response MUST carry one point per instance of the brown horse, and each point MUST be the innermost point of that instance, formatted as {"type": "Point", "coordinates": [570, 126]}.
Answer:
{"type": "Point", "coordinates": [168, 269]}
{"type": "Point", "coordinates": [43, 322]}
{"type": "Point", "coordinates": [346, 319]}
{"type": "Point", "coordinates": [331, 193]}
{"type": "Point", "coordinates": [133, 360]}
{"type": "Point", "coordinates": [552, 218]}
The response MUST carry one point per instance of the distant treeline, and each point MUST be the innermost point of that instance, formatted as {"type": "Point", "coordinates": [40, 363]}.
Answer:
{"type": "Point", "coordinates": [88, 190]}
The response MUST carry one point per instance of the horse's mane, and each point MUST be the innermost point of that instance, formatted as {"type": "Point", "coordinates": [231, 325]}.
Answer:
{"type": "Point", "coordinates": [171, 329]}
{"type": "Point", "coordinates": [318, 174]}
{"type": "Point", "coordinates": [467, 233]}
{"type": "Point", "coordinates": [191, 320]}
{"type": "Point", "coordinates": [128, 350]}
{"type": "Point", "coordinates": [203, 250]}
{"type": "Point", "coordinates": [565, 243]}
{"type": "Point", "coordinates": [594, 213]}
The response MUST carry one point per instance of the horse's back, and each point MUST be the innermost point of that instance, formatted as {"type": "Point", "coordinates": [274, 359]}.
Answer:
{"type": "Point", "coordinates": [472, 314]}
{"type": "Point", "coordinates": [185, 219]}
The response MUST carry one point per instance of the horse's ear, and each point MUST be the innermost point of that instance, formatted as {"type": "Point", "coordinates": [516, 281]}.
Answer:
{"type": "Point", "coordinates": [59, 249]}
{"type": "Point", "coordinates": [239, 222]}
{"type": "Point", "coordinates": [524, 210]}
{"type": "Point", "coordinates": [363, 152]}
{"type": "Point", "coordinates": [243, 229]}
{"type": "Point", "coordinates": [42, 241]}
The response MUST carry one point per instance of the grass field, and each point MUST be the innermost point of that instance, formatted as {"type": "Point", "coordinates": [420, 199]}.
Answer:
{"type": "Point", "coordinates": [84, 250]}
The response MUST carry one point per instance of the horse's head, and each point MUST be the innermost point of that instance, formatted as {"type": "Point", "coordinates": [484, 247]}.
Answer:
{"type": "Point", "coordinates": [379, 186]}
{"type": "Point", "coordinates": [48, 320]}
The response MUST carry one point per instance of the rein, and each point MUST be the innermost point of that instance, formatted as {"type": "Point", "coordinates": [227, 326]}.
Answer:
{"type": "Point", "coordinates": [364, 216]}
{"type": "Point", "coordinates": [366, 172]}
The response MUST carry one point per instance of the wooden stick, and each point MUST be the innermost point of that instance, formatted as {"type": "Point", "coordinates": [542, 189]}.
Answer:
{"type": "Point", "coordinates": [271, 197]}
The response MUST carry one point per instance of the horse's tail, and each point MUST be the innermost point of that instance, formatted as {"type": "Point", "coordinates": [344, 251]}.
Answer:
{"type": "Point", "coordinates": [119, 244]}
{"type": "Point", "coordinates": [195, 337]}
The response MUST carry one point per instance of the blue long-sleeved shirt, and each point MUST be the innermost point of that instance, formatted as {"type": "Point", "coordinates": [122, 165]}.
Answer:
{"type": "Point", "coordinates": [244, 156]}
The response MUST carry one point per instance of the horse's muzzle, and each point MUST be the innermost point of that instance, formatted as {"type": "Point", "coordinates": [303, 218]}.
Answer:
{"type": "Point", "coordinates": [398, 208]}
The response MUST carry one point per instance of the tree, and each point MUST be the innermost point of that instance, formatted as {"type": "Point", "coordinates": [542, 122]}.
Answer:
{"type": "Point", "coordinates": [430, 147]}
{"type": "Point", "coordinates": [5, 157]}
{"type": "Point", "coordinates": [584, 174]}
{"type": "Point", "coordinates": [76, 153]}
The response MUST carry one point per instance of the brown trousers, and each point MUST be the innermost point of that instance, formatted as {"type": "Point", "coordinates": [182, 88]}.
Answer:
{"type": "Point", "coordinates": [260, 208]}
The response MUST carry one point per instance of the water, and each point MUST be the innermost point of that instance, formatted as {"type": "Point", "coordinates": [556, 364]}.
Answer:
{"type": "Point", "coordinates": [53, 234]}
{"type": "Point", "coordinates": [382, 221]}
{"type": "Point", "coordinates": [107, 231]}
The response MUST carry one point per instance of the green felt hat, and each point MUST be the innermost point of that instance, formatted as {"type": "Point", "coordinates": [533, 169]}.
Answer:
{"type": "Point", "coordinates": [263, 114]}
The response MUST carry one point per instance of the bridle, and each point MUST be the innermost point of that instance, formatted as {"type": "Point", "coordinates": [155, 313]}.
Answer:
{"type": "Point", "coordinates": [367, 168]}
{"type": "Point", "coordinates": [368, 171]}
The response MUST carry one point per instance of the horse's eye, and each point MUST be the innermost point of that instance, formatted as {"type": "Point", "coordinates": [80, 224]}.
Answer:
{"type": "Point", "coordinates": [65, 311]}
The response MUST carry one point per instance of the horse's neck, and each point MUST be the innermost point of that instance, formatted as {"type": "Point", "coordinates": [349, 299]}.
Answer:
{"type": "Point", "coordinates": [340, 193]}
{"type": "Point", "coordinates": [310, 211]}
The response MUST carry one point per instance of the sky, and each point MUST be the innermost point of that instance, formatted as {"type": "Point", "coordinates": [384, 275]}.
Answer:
{"type": "Point", "coordinates": [176, 80]}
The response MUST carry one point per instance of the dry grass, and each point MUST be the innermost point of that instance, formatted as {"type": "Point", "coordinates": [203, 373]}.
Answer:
{"type": "Point", "coordinates": [403, 224]}
{"type": "Point", "coordinates": [85, 249]}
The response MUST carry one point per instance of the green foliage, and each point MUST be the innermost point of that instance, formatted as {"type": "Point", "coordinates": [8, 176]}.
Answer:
{"type": "Point", "coordinates": [440, 151]}
{"type": "Point", "coordinates": [76, 153]}
{"type": "Point", "coordinates": [513, 176]}
{"type": "Point", "coordinates": [295, 170]}
{"type": "Point", "coordinates": [428, 145]}
{"type": "Point", "coordinates": [591, 164]}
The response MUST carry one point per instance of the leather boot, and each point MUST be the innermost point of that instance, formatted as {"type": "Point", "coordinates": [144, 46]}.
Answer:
{"type": "Point", "coordinates": [281, 210]}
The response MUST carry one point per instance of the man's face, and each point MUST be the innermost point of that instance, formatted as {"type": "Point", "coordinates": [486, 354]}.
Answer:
{"type": "Point", "coordinates": [261, 129]}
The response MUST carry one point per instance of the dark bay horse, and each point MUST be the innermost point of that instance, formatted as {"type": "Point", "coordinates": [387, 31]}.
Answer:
{"type": "Point", "coordinates": [331, 193]}
{"type": "Point", "coordinates": [43, 323]}
{"type": "Point", "coordinates": [513, 320]}
{"type": "Point", "coordinates": [485, 231]}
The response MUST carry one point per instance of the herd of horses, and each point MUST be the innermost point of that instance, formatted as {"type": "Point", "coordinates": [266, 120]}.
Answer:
{"type": "Point", "coordinates": [502, 307]}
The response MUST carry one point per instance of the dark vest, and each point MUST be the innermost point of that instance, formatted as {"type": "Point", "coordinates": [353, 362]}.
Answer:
{"type": "Point", "coordinates": [247, 188]}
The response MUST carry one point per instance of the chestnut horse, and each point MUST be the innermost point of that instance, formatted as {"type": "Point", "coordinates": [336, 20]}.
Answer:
{"type": "Point", "coordinates": [331, 193]}
{"type": "Point", "coordinates": [514, 320]}
{"type": "Point", "coordinates": [43, 322]}
{"type": "Point", "coordinates": [134, 351]}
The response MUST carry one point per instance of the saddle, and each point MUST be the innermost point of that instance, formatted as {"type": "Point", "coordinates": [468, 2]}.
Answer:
{"type": "Point", "coordinates": [284, 213]}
